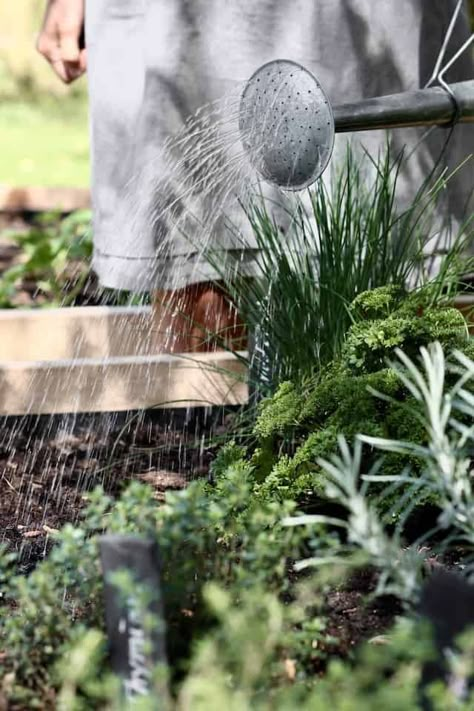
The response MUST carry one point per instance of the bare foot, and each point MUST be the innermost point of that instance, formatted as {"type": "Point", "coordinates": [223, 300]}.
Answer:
{"type": "Point", "coordinates": [197, 318]}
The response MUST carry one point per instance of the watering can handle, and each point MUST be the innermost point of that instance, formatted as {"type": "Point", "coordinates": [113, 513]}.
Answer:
{"type": "Point", "coordinates": [424, 107]}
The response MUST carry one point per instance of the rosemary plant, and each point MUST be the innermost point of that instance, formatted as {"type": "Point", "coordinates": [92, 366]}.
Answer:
{"type": "Point", "coordinates": [448, 417]}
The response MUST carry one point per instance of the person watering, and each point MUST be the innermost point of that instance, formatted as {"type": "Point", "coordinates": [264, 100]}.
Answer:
{"type": "Point", "coordinates": [153, 63]}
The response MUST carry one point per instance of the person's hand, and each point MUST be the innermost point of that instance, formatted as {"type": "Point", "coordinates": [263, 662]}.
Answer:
{"type": "Point", "coordinates": [59, 39]}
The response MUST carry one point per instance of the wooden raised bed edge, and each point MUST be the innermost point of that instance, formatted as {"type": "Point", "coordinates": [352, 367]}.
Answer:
{"type": "Point", "coordinates": [101, 359]}
{"type": "Point", "coordinates": [43, 199]}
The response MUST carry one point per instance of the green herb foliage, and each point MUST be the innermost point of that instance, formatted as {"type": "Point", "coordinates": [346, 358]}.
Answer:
{"type": "Point", "coordinates": [247, 627]}
{"type": "Point", "coordinates": [357, 393]}
{"type": "Point", "coordinates": [55, 254]}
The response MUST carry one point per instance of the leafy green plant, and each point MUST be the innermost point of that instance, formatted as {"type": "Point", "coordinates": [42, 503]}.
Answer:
{"type": "Point", "coordinates": [448, 455]}
{"type": "Point", "coordinates": [445, 473]}
{"type": "Point", "coordinates": [55, 255]}
{"type": "Point", "coordinates": [257, 638]}
{"type": "Point", "coordinates": [384, 676]}
{"type": "Point", "coordinates": [301, 422]}
{"type": "Point", "coordinates": [204, 533]}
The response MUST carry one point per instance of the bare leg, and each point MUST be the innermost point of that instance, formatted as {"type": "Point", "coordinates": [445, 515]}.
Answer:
{"type": "Point", "coordinates": [189, 319]}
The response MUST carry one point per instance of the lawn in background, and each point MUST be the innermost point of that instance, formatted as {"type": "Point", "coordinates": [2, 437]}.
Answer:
{"type": "Point", "coordinates": [44, 143]}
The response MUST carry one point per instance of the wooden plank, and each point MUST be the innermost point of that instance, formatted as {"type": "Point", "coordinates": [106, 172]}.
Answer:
{"type": "Point", "coordinates": [94, 359]}
{"type": "Point", "coordinates": [79, 332]}
{"type": "Point", "coordinates": [121, 383]}
{"type": "Point", "coordinates": [43, 199]}
{"type": "Point", "coordinates": [465, 303]}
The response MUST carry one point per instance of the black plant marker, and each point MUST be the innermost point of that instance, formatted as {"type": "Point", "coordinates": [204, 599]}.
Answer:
{"type": "Point", "coordinates": [447, 602]}
{"type": "Point", "coordinates": [135, 649]}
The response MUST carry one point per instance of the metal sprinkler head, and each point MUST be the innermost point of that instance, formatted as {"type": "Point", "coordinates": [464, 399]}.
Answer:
{"type": "Point", "coordinates": [286, 124]}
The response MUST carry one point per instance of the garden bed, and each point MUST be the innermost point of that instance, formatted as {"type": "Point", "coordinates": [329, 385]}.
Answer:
{"type": "Point", "coordinates": [56, 461]}
{"type": "Point", "coordinates": [280, 547]}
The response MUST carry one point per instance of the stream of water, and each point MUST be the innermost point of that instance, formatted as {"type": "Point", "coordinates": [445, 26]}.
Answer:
{"type": "Point", "coordinates": [189, 199]}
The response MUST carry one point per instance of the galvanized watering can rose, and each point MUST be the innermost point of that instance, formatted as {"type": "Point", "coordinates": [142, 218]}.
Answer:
{"type": "Point", "coordinates": [287, 123]}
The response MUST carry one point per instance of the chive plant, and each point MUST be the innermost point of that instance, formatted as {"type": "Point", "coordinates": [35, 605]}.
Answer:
{"type": "Point", "coordinates": [341, 240]}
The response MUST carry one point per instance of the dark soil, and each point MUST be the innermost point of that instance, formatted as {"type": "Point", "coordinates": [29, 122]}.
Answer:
{"type": "Point", "coordinates": [48, 464]}
{"type": "Point", "coordinates": [354, 615]}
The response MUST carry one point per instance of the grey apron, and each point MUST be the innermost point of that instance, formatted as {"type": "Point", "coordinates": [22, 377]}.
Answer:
{"type": "Point", "coordinates": [152, 63]}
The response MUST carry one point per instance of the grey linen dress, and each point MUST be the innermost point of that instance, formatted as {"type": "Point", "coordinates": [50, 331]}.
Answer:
{"type": "Point", "coordinates": [153, 63]}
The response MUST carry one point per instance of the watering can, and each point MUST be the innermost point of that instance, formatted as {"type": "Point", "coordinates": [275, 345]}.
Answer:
{"type": "Point", "coordinates": [287, 123]}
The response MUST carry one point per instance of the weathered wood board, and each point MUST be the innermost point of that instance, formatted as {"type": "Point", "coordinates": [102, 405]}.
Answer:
{"type": "Point", "coordinates": [94, 359]}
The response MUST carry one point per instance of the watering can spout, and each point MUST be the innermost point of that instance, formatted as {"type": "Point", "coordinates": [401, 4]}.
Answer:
{"type": "Point", "coordinates": [423, 107]}
{"type": "Point", "coordinates": [287, 123]}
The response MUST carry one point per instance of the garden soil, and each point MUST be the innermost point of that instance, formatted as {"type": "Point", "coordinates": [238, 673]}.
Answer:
{"type": "Point", "coordinates": [48, 465]}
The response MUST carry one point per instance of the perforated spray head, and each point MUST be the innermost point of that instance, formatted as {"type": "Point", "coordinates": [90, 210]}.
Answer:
{"type": "Point", "coordinates": [286, 124]}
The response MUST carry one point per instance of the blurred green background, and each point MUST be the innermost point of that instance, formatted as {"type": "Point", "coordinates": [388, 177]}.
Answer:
{"type": "Point", "coordinates": [43, 124]}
